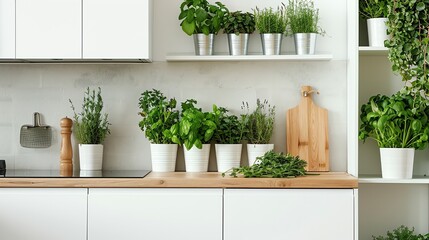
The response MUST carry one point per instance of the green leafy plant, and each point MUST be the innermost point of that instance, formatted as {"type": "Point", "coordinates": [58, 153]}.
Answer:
{"type": "Point", "coordinates": [272, 165]}
{"type": "Point", "coordinates": [90, 125]}
{"type": "Point", "coordinates": [373, 8]}
{"type": "Point", "coordinates": [268, 20]}
{"type": "Point", "coordinates": [399, 121]}
{"type": "Point", "coordinates": [160, 121]}
{"type": "Point", "coordinates": [303, 17]}
{"type": "Point", "coordinates": [408, 26]}
{"type": "Point", "coordinates": [198, 16]}
{"type": "Point", "coordinates": [402, 233]}
{"type": "Point", "coordinates": [197, 127]}
{"type": "Point", "coordinates": [230, 129]}
{"type": "Point", "coordinates": [238, 22]}
{"type": "Point", "coordinates": [259, 123]}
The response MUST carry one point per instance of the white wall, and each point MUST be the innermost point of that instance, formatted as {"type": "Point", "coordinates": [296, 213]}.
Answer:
{"type": "Point", "coordinates": [46, 88]}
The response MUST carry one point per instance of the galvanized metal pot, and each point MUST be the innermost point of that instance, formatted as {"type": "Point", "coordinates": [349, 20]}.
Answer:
{"type": "Point", "coordinates": [271, 43]}
{"type": "Point", "coordinates": [305, 43]}
{"type": "Point", "coordinates": [238, 44]}
{"type": "Point", "coordinates": [203, 44]}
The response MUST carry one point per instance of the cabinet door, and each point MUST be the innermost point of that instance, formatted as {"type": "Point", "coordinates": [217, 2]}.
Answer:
{"type": "Point", "coordinates": [48, 214]}
{"type": "Point", "coordinates": [7, 29]}
{"type": "Point", "coordinates": [116, 29]}
{"type": "Point", "coordinates": [48, 29]}
{"type": "Point", "coordinates": [288, 214]}
{"type": "Point", "coordinates": [155, 214]}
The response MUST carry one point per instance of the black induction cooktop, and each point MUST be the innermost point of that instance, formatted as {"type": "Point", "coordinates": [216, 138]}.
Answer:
{"type": "Point", "coordinates": [14, 173]}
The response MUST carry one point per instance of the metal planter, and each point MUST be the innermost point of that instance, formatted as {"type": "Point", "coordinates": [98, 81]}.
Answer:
{"type": "Point", "coordinates": [305, 43]}
{"type": "Point", "coordinates": [203, 44]}
{"type": "Point", "coordinates": [271, 43]}
{"type": "Point", "coordinates": [238, 44]}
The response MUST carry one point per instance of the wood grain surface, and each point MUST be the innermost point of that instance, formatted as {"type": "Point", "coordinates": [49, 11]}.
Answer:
{"type": "Point", "coordinates": [307, 133]}
{"type": "Point", "coordinates": [188, 180]}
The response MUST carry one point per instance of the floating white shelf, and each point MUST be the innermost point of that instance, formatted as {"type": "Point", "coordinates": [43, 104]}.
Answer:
{"type": "Point", "coordinates": [377, 179]}
{"type": "Point", "coordinates": [374, 51]}
{"type": "Point", "coordinates": [252, 57]}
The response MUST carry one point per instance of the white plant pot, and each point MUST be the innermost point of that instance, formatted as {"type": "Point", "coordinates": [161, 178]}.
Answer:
{"type": "Point", "coordinates": [377, 32]}
{"type": "Point", "coordinates": [257, 150]}
{"type": "Point", "coordinates": [197, 160]}
{"type": "Point", "coordinates": [91, 157]}
{"type": "Point", "coordinates": [397, 162]}
{"type": "Point", "coordinates": [228, 156]}
{"type": "Point", "coordinates": [163, 157]}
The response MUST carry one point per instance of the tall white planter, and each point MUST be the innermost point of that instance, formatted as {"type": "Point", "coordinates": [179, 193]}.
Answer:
{"type": "Point", "coordinates": [197, 160]}
{"type": "Point", "coordinates": [257, 150]}
{"type": "Point", "coordinates": [163, 157]}
{"type": "Point", "coordinates": [91, 157]}
{"type": "Point", "coordinates": [228, 156]}
{"type": "Point", "coordinates": [397, 162]}
{"type": "Point", "coordinates": [377, 31]}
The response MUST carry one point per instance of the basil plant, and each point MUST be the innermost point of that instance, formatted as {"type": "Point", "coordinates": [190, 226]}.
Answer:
{"type": "Point", "coordinates": [398, 121]}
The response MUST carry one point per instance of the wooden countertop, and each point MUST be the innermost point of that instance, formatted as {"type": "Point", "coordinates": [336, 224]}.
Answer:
{"type": "Point", "coordinates": [187, 180]}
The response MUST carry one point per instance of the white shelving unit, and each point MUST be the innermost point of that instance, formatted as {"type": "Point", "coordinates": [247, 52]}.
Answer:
{"type": "Point", "coordinates": [368, 178]}
{"type": "Point", "coordinates": [253, 57]}
{"type": "Point", "coordinates": [373, 51]}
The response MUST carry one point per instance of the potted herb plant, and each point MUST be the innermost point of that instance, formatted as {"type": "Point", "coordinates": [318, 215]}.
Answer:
{"type": "Point", "coordinates": [375, 13]}
{"type": "Point", "coordinates": [238, 26]}
{"type": "Point", "coordinates": [271, 24]}
{"type": "Point", "coordinates": [399, 125]}
{"type": "Point", "coordinates": [259, 129]}
{"type": "Point", "coordinates": [160, 123]}
{"type": "Point", "coordinates": [303, 20]}
{"type": "Point", "coordinates": [202, 20]}
{"type": "Point", "coordinates": [196, 129]}
{"type": "Point", "coordinates": [228, 136]}
{"type": "Point", "coordinates": [91, 128]}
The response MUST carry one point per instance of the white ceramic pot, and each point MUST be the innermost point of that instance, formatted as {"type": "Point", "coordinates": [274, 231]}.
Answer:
{"type": "Point", "coordinates": [397, 162]}
{"type": "Point", "coordinates": [163, 157]}
{"type": "Point", "coordinates": [91, 157]}
{"type": "Point", "coordinates": [197, 160]}
{"type": "Point", "coordinates": [228, 156]}
{"type": "Point", "coordinates": [377, 31]}
{"type": "Point", "coordinates": [257, 150]}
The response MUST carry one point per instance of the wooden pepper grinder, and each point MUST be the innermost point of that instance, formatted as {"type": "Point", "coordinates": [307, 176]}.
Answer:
{"type": "Point", "coordinates": [66, 153]}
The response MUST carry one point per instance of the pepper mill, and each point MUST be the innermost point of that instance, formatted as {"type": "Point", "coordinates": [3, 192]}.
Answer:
{"type": "Point", "coordinates": [66, 153]}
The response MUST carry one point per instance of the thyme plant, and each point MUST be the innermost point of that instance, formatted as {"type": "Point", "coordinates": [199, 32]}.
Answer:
{"type": "Point", "coordinates": [303, 17]}
{"type": "Point", "coordinates": [259, 123]}
{"type": "Point", "coordinates": [90, 125]}
{"type": "Point", "coordinates": [269, 20]}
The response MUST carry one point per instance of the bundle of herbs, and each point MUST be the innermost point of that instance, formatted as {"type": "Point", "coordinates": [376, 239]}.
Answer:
{"type": "Point", "coordinates": [272, 165]}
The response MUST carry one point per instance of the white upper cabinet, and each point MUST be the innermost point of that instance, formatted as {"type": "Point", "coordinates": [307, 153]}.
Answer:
{"type": "Point", "coordinates": [48, 29]}
{"type": "Point", "coordinates": [7, 29]}
{"type": "Point", "coordinates": [116, 29]}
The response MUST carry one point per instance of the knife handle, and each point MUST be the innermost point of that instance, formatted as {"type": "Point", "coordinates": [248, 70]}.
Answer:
{"type": "Point", "coordinates": [66, 152]}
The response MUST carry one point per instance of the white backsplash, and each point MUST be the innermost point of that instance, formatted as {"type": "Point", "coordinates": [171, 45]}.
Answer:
{"type": "Point", "coordinates": [27, 88]}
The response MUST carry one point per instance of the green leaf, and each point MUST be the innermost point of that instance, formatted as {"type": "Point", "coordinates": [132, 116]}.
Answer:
{"type": "Point", "coordinates": [198, 144]}
{"type": "Point", "coordinates": [420, 6]}
{"type": "Point", "coordinates": [188, 28]}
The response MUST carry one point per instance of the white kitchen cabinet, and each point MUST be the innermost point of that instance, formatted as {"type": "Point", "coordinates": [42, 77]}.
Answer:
{"type": "Point", "coordinates": [48, 214]}
{"type": "Point", "coordinates": [155, 214]}
{"type": "Point", "coordinates": [48, 29]}
{"type": "Point", "coordinates": [323, 214]}
{"type": "Point", "coordinates": [116, 29]}
{"type": "Point", "coordinates": [7, 29]}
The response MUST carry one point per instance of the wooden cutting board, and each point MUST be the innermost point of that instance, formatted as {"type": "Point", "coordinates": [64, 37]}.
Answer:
{"type": "Point", "coordinates": [307, 132]}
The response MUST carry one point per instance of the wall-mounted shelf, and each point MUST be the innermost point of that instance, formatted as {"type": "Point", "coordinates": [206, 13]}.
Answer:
{"type": "Point", "coordinates": [253, 57]}
{"type": "Point", "coordinates": [374, 51]}
{"type": "Point", "coordinates": [377, 179]}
